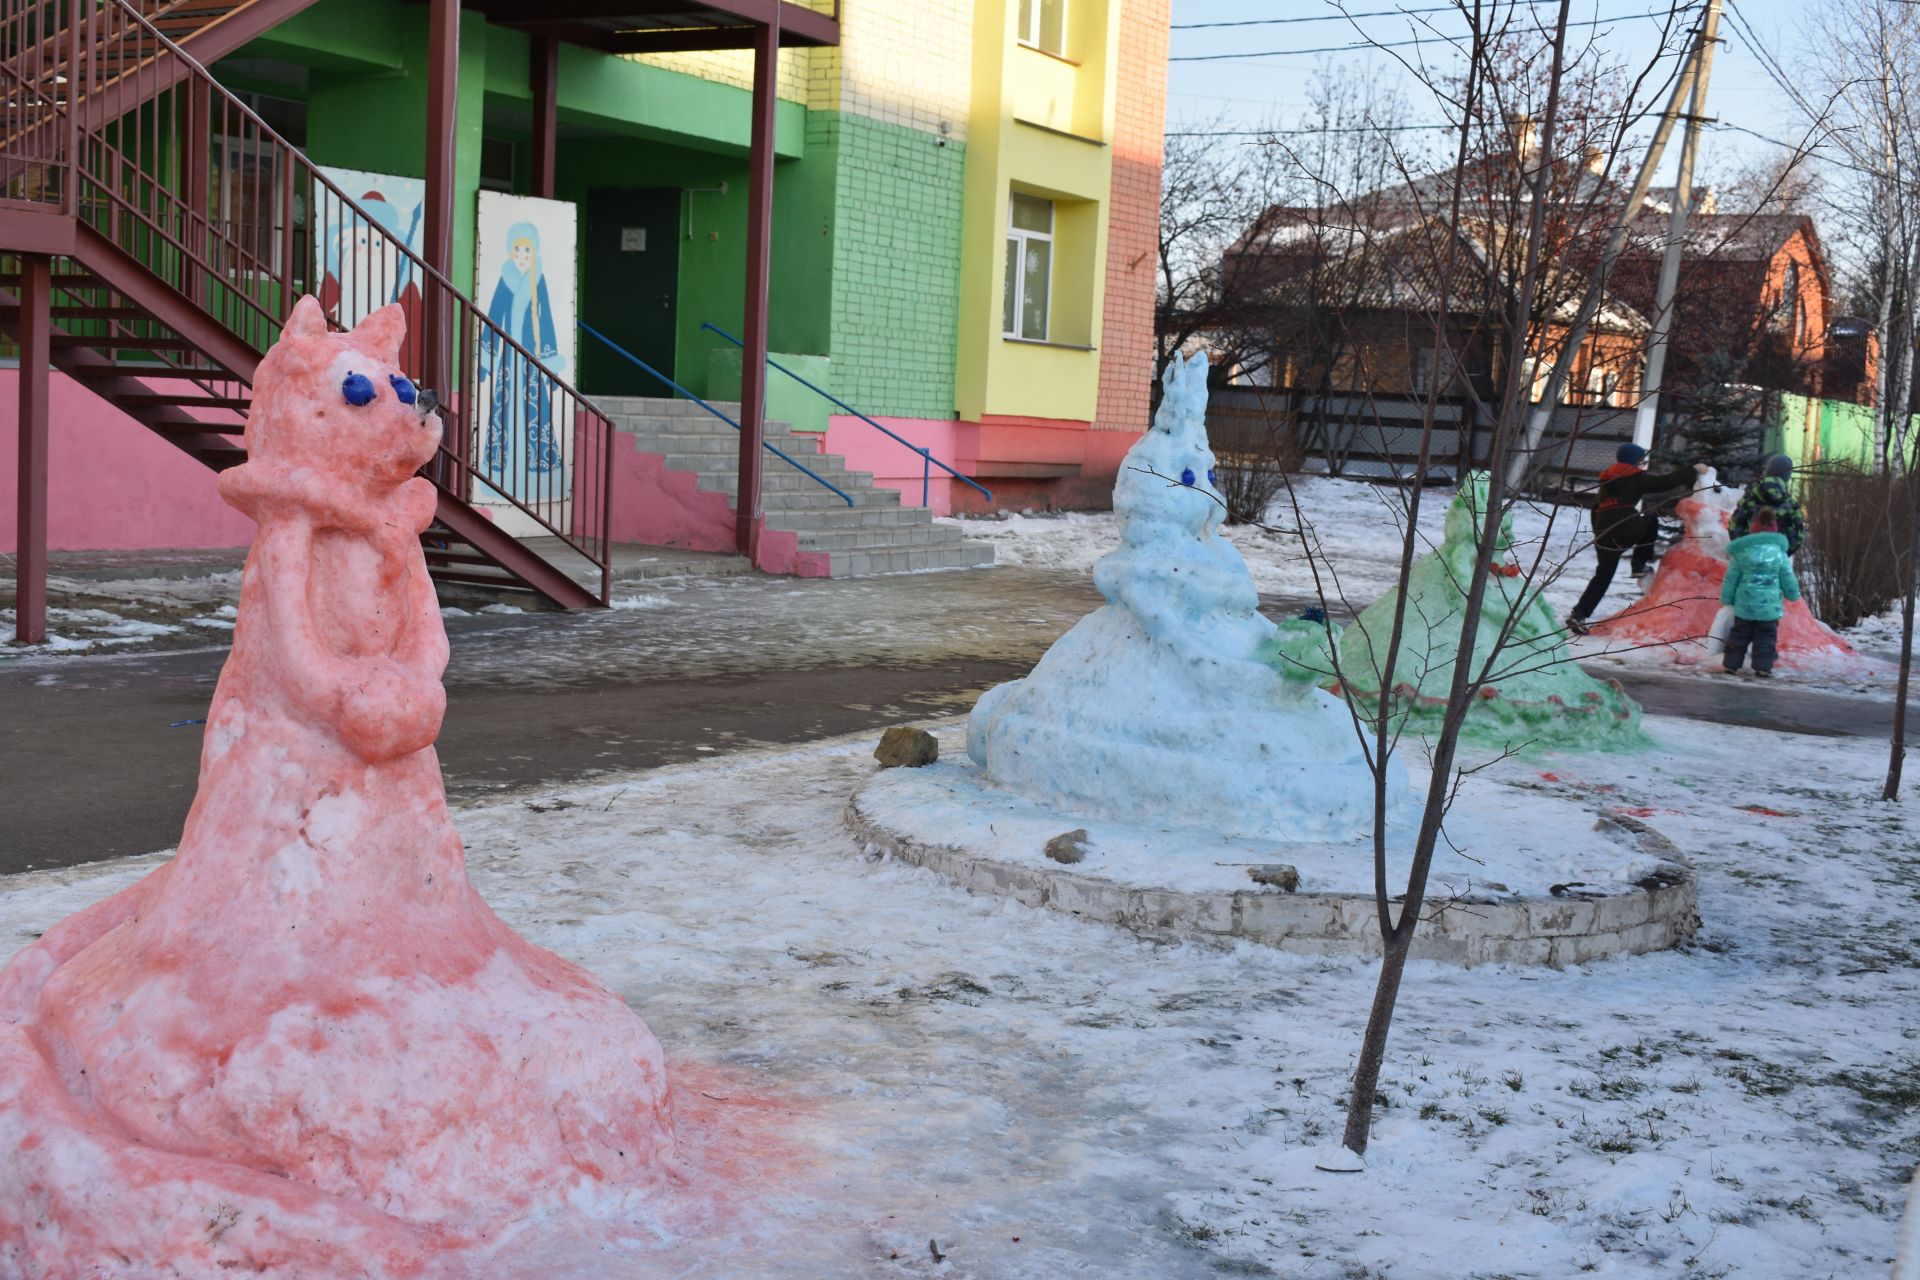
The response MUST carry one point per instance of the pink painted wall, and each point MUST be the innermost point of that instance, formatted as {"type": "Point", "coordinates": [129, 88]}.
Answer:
{"type": "Point", "coordinates": [112, 485]}
{"type": "Point", "coordinates": [975, 449]}
{"type": "Point", "coordinates": [894, 465]}
{"type": "Point", "coordinates": [663, 508]}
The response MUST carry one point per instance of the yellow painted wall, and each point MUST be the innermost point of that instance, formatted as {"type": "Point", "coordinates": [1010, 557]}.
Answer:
{"type": "Point", "coordinates": [1041, 125]}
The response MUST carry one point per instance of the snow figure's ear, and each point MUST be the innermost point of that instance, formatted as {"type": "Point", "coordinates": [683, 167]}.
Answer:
{"type": "Point", "coordinates": [307, 319]}
{"type": "Point", "coordinates": [381, 333]}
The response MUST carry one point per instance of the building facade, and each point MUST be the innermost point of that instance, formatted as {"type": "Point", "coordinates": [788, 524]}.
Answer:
{"type": "Point", "coordinates": [963, 201]}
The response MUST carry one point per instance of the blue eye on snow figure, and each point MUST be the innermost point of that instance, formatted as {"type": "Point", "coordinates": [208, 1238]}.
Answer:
{"type": "Point", "coordinates": [401, 388]}
{"type": "Point", "coordinates": [1210, 479]}
{"type": "Point", "coordinates": [1186, 477]}
{"type": "Point", "coordinates": [357, 388]}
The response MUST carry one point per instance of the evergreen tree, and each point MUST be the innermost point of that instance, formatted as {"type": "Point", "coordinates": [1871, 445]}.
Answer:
{"type": "Point", "coordinates": [1719, 420]}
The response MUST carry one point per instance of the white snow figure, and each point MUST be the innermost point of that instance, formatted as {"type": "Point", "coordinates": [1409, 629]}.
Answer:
{"type": "Point", "coordinates": [1168, 705]}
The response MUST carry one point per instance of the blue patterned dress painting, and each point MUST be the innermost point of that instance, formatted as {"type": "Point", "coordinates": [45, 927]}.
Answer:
{"type": "Point", "coordinates": [519, 437]}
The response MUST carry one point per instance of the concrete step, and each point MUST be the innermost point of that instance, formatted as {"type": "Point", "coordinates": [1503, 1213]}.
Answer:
{"type": "Point", "coordinates": [842, 516]}
{"type": "Point", "coordinates": [812, 497]}
{"type": "Point", "coordinates": [714, 470]}
{"type": "Point", "coordinates": [961, 555]}
{"type": "Point", "coordinates": [726, 446]}
{"type": "Point", "coordinates": [889, 537]}
{"type": "Point", "coordinates": [661, 407]}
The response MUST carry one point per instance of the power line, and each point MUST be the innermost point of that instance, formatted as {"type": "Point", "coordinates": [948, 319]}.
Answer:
{"type": "Point", "coordinates": [1389, 44]}
{"type": "Point", "coordinates": [1279, 133]}
{"type": "Point", "coordinates": [1318, 17]}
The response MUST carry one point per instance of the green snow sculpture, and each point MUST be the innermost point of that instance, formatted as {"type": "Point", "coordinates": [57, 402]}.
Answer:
{"type": "Point", "coordinates": [1535, 695]}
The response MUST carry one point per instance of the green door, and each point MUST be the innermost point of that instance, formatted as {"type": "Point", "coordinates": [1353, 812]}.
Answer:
{"type": "Point", "coordinates": [630, 284]}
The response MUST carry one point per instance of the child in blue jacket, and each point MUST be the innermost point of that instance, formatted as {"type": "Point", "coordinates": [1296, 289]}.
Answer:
{"type": "Point", "coordinates": [1758, 584]}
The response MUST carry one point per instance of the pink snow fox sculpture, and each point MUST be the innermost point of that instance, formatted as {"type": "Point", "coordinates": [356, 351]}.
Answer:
{"type": "Point", "coordinates": [304, 1045]}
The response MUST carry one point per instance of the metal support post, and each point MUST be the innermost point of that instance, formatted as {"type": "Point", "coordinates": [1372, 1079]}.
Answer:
{"type": "Point", "coordinates": [544, 79]}
{"type": "Point", "coordinates": [443, 89]}
{"type": "Point", "coordinates": [753, 356]}
{"type": "Point", "coordinates": [30, 560]}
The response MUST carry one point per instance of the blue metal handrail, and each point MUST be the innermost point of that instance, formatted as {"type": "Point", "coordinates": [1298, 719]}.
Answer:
{"type": "Point", "coordinates": [617, 349]}
{"type": "Point", "coordinates": [927, 460]}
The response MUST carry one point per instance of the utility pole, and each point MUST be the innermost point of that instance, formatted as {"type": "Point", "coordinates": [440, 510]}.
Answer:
{"type": "Point", "coordinates": [1649, 411]}
{"type": "Point", "coordinates": [1522, 460]}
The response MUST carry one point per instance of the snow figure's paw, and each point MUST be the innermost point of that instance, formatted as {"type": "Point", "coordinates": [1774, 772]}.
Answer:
{"type": "Point", "coordinates": [1177, 703]}
{"type": "Point", "coordinates": [305, 1044]}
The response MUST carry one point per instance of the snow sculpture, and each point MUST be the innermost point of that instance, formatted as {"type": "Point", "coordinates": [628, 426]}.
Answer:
{"type": "Point", "coordinates": [1536, 694]}
{"type": "Point", "coordinates": [1168, 705]}
{"type": "Point", "coordinates": [1680, 605]}
{"type": "Point", "coordinates": [305, 1045]}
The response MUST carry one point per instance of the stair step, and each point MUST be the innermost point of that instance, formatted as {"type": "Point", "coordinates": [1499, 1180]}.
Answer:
{"type": "Point", "coordinates": [167, 371]}
{"type": "Point", "coordinates": [892, 537]}
{"type": "Point", "coordinates": [845, 517]}
{"type": "Point", "coordinates": [961, 555]}
{"type": "Point", "coordinates": [187, 426]}
{"type": "Point", "coordinates": [121, 342]}
{"type": "Point", "coordinates": [167, 400]}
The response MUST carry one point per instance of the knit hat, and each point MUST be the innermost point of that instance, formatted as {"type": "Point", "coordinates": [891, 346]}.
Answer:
{"type": "Point", "coordinates": [1780, 466]}
{"type": "Point", "coordinates": [1631, 454]}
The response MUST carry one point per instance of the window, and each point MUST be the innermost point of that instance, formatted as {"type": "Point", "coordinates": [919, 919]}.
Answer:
{"type": "Point", "coordinates": [1029, 267]}
{"type": "Point", "coordinates": [1043, 24]}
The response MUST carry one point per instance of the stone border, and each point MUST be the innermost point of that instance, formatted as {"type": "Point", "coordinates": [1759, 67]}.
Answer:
{"type": "Point", "coordinates": [1660, 912]}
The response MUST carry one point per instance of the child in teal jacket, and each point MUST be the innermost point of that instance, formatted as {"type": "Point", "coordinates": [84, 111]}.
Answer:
{"type": "Point", "coordinates": [1758, 584]}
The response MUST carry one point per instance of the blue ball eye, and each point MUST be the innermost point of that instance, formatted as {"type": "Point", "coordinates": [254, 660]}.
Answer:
{"type": "Point", "coordinates": [1186, 477]}
{"type": "Point", "coordinates": [402, 388]}
{"type": "Point", "coordinates": [1210, 479]}
{"type": "Point", "coordinates": [357, 388]}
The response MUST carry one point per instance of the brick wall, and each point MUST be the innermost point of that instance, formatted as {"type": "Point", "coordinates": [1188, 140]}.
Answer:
{"type": "Point", "coordinates": [893, 100]}
{"type": "Point", "coordinates": [896, 268]}
{"type": "Point", "coordinates": [1126, 338]}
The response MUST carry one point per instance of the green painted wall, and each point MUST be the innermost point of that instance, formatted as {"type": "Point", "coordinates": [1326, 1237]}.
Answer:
{"type": "Point", "coordinates": [1844, 432]}
{"type": "Point", "coordinates": [787, 400]}
{"type": "Point", "coordinates": [377, 123]}
{"type": "Point", "coordinates": [896, 264]}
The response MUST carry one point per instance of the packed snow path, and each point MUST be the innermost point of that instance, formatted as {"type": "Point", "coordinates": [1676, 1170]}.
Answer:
{"type": "Point", "coordinates": [690, 668]}
{"type": "Point", "coordinates": [1047, 1098]}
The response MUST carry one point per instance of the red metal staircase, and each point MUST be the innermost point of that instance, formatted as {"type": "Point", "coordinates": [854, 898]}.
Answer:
{"type": "Point", "coordinates": [181, 229]}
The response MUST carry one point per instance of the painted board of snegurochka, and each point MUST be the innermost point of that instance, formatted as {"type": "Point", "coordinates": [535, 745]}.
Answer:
{"type": "Point", "coordinates": [525, 280]}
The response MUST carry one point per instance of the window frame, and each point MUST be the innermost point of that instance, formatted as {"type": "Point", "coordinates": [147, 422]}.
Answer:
{"type": "Point", "coordinates": [1029, 20]}
{"type": "Point", "coordinates": [1017, 240]}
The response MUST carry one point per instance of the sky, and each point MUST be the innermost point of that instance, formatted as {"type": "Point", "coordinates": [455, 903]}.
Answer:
{"type": "Point", "coordinates": [1251, 92]}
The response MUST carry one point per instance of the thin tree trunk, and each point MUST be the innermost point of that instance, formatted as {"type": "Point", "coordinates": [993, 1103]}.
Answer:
{"type": "Point", "coordinates": [1897, 749]}
{"type": "Point", "coordinates": [1396, 937]}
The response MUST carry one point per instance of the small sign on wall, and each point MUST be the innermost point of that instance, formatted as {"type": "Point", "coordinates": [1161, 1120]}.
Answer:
{"type": "Point", "coordinates": [633, 239]}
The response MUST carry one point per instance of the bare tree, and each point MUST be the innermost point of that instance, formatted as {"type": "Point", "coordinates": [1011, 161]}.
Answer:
{"type": "Point", "coordinates": [1487, 255]}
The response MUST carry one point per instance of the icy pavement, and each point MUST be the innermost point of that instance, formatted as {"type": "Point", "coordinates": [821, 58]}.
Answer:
{"type": "Point", "coordinates": [1044, 1098]}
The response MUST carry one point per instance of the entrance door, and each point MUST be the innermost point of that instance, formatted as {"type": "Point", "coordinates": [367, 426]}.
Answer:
{"type": "Point", "coordinates": [629, 287]}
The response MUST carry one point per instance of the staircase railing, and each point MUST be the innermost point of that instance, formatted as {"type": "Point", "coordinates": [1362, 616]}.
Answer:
{"type": "Point", "coordinates": [663, 379]}
{"type": "Point", "coordinates": [199, 190]}
{"type": "Point", "coordinates": [927, 460]}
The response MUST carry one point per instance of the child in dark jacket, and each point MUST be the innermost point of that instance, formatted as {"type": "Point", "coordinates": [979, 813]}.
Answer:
{"type": "Point", "coordinates": [1759, 582]}
{"type": "Point", "coordinates": [1771, 491]}
{"type": "Point", "coordinates": [1620, 526]}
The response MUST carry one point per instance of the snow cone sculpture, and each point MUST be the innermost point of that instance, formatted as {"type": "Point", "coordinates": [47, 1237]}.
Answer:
{"type": "Point", "coordinates": [305, 1046]}
{"type": "Point", "coordinates": [1679, 607]}
{"type": "Point", "coordinates": [1536, 693]}
{"type": "Point", "coordinates": [1167, 705]}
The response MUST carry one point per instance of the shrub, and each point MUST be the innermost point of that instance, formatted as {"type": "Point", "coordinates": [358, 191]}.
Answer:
{"type": "Point", "coordinates": [1858, 555]}
{"type": "Point", "coordinates": [1250, 475]}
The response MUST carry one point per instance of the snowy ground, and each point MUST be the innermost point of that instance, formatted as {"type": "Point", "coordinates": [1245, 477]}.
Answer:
{"type": "Point", "coordinates": [1047, 1098]}
{"type": "Point", "coordinates": [1359, 528]}
{"type": "Point", "coordinates": [1500, 840]}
